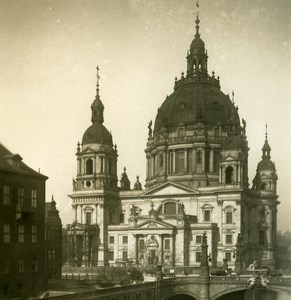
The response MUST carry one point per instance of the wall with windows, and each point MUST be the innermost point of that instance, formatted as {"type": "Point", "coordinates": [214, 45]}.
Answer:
{"type": "Point", "coordinates": [22, 230]}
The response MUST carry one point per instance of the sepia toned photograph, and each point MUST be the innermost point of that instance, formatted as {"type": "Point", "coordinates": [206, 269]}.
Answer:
{"type": "Point", "coordinates": [144, 149]}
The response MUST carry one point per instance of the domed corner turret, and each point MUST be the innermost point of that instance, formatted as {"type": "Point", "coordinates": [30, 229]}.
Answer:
{"type": "Point", "coordinates": [266, 176]}
{"type": "Point", "coordinates": [96, 156]}
{"type": "Point", "coordinates": [124, 181]}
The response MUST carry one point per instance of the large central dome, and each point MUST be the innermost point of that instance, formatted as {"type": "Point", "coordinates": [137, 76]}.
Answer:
{"type": "Point", "coordinates": [195, 101]}
{"type": "Point", "coordinates": [197, 96]}
{"type": "Point", "coordinates": [195, 129]}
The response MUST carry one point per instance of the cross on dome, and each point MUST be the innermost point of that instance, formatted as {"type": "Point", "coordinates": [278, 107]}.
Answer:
{"type": "Point", "coordinates": [97, 84]}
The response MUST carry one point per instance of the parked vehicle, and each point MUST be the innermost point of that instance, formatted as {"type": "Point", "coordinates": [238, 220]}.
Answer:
{"type": "Point", "coordinates": [219, 273]}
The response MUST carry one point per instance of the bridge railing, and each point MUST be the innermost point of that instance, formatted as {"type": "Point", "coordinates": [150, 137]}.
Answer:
{"type": "Point", "coordinates": [227, 280]}
{"type": "Point", "coordinates": [130, 289]}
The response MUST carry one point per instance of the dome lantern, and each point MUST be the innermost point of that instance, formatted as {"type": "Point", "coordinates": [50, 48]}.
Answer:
{"type": "Point", "coordinates": [197, 57]}
{"type": "Point", "coordinates": [97, 133]}
{"type": "Point", "coordinates": [97, 106]}
{"type": "Point", "coordinates": [266, 148]}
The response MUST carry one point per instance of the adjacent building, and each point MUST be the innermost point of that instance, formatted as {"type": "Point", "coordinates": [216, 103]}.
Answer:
{"type": "Point", "coordinates": [54, 240]}
{"type": "Point", "coordinates": [196, 181]}
{"type": "Point", "coordinates": [23, 266]}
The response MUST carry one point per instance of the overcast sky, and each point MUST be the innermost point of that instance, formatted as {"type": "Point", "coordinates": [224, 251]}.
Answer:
{"type": "Point", "coordinates": [49, 50]}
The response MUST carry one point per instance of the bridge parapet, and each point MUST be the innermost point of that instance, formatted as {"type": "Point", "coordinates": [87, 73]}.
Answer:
{"type": "Point", "coordinates": [165, 289]}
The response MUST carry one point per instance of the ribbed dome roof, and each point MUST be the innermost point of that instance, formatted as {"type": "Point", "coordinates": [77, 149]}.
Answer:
{"type": "Point", "coordinates": [197, 44]}
{"type": "Point", "coordinates": [266, 165]}
{"type": "Point", "coordinates": [196, 101]}
{"type": "Point", "coordinates": [97, 134]}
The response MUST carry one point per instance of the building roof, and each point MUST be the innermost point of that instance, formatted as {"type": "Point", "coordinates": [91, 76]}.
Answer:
{"type": "Point", "coordinates": [13, 163]}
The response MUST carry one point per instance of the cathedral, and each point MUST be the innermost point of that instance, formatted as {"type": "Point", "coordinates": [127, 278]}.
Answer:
{"type": "Point", "coordinates": [196, 181]}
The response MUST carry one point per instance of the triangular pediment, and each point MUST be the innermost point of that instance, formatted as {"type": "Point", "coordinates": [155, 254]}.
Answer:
{"type": "Point", "coordinates": [77, 226]}
{"type": "Point", "coordinates": [170, 188]}
{"type": "Point", "coordinates": [89, 150]}
{"type": "Point", "coordinates": [265, 176]}
{"type": "Point", "coordinates": [152, 224]}
{"type": "Point", "coordinates": [229, 158]}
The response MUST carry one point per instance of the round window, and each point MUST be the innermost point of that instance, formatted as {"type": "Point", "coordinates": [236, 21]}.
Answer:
{"type": "Point", "coordinates": [88, 183]}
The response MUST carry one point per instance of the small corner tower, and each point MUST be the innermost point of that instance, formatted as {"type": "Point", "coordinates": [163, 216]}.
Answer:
{"type": "Point", "coordinates": [266, 177]}
{"type": "Point", "coordinates": [94, 188]}
{"type": "Point", "coordinates": [96, 157]}
{"type": "Point", "coordinates": [265, 186]}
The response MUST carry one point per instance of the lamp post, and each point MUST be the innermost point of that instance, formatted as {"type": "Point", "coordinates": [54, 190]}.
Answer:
{"type": "Point", "coordinates": [238, 255]}
{"type": "Point", "coordinates": [204, 269]}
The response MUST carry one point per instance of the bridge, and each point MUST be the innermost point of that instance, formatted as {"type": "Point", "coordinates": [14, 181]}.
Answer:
{"type": "Point", "coordinates": [188, 288]}
{"type": "Point", "coordinates": [202, 287]}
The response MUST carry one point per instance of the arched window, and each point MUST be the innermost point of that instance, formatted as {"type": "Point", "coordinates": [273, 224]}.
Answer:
{"type": "Point", "coordinates": [170, 208]}
{"type": "Point", "coordinates": [89, 166]}
{"type": "Point", "coordinates": [229, 215]}
{"type": "Point", "coordinates": [88, 218]}
{"type": "Point", "coordinates": [229, 175]}
{"type": "Point", "coordinates": [110, 217]}
{"type": "Point", "coordinates": [199, 157]}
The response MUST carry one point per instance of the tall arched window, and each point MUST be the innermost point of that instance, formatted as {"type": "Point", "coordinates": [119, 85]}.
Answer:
{"type": "Point", "coordinates": [88, 218]}
{"type": "Point", "coordinates": [229, 175]}
{"type": "Point", "coordinates": [199, 157]}
{"type": "Point", "coordinates": [89, 166]}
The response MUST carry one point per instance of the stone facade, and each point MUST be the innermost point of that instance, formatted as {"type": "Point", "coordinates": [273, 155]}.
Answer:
{"type": "Point", "coordinates": [196, 182]}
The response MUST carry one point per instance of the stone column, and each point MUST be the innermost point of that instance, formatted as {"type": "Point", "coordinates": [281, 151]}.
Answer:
{"type": "Point", "coordinates": [211, 161]}
{"type": "Point", "coordinates": [81, 213]}
{"type": "Point", "coordinates": [165, 171]}
{"type": "Point", "coordinates": [174, 161]}
{"type": "Point", "coordinates": [82, 166]}
{"type": "Point", "coordinates": [101, 236]}
{"type": "Point", "coordinates": [148, 168]}
{"type": "Point", "coordinates": [203, 159]}
{"type": "Point", "coordinates": [79, 166]}
{"type": "Point", "coordinates": [194, 160]}
{"type": "Point", "coordinates": [76, 212]}
{"type": "Point", "coordinates": [185, 161]}
{"type": "Point", "coordinates": [96, 213]}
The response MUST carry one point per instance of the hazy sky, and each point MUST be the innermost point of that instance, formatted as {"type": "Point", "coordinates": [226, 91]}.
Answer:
{"type": "Point", "coordinates": [49, 50]}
